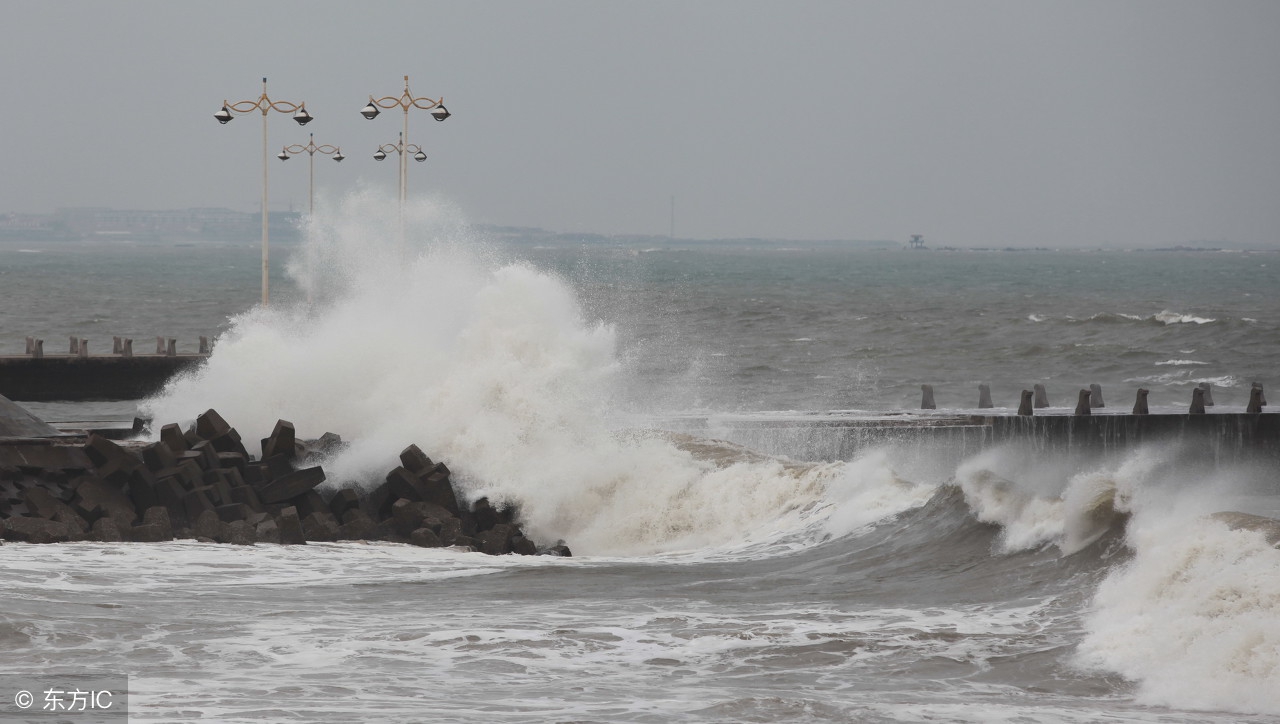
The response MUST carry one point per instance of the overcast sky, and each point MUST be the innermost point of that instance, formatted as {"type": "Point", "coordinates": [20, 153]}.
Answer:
{"type": "Point", "coordinates": [978, 122]}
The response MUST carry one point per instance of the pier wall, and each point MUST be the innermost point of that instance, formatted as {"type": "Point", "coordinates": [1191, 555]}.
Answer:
{"type": "Point", "coordinates": [1217, 437]}
{"type": "Point", "coordinates": [66, 377]}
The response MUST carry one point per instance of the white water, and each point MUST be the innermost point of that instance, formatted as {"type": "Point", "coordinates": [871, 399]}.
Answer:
{"type": "Point", "coordinates": [495, 368]}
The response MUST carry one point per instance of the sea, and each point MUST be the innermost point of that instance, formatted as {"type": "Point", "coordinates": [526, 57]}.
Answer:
{"type": "Point", "coordinates": [601, 386]}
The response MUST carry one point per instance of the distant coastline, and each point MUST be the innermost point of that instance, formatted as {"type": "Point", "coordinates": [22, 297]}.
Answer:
{"type": "Point", "coordinates": [221, 224]}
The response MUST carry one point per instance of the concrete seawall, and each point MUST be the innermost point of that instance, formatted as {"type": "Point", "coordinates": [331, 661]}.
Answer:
{"type": "Point", "coordinates": [1220, 436]}
{"type": "Point", "coordinates": [68, 377]}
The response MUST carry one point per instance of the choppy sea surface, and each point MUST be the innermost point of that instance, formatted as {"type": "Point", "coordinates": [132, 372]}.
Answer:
{"type": "Point", "coordinates": [711, 582]}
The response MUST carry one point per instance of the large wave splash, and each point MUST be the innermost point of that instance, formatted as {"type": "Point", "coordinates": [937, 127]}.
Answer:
{"type": "Point", "coordinates": [491, 366]}
{"type": "Point", "coordinates": [1192, 617]}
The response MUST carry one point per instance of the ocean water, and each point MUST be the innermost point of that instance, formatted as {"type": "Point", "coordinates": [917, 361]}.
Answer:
{"type": "Point", "coordinates": [712, 581]}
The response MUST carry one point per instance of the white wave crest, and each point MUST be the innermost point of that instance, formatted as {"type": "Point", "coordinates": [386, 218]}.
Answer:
{"type": "Point", "coordinates": [495, 369]}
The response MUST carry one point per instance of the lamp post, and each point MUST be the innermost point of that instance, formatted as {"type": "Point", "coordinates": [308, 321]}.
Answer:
{"type": "Point", "coordinates": [310, 149]}
{"type": "Point", "coordinates": [404, 149]}
{"type": "Point", "coordinates": [404, 101]}
{"type": "Point", "coordinates": [263, 104]}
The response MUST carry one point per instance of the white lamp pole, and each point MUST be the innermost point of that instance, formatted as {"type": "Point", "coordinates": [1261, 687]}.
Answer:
{"type": "Point", "coordinates": [264, 104]}
{"type": "Point", "coordinates": [404, 101]}
{"type": "Point", "coordinates": [310, 149]}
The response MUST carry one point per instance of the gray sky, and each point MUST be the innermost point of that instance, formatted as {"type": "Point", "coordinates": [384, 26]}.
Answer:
{"type": "Point", "coordinates": [983, 122]}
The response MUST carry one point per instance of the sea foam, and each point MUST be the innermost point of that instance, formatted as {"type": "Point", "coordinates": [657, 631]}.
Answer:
{"type": "Point", "coordinates": [491, 366]}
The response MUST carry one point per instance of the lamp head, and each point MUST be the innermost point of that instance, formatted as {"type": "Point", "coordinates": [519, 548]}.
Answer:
{"type": "Point", "coordinates": [379, 156]}
{"type": "Point", "coordinates": [302, 117]}
{"type": "Point", "coordinates": [419, 156]}
{"type": "Point", "coordinates": [224, 116]}
{"type": "Point", "coordinates": [440, 112]}
{"type": "Point", "coordinates": [284, 156]}
{"type": "Point", "coordinates": [338, 156]}
{"type": "Point", "coordinates": [370, 111]}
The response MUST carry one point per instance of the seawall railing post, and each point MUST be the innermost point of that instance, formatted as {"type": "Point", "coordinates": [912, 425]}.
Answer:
{"type": "Point", "coordinates": [126, 347]}
{"type": "Point", "coordinates": [984, 396]}
{"type": "Point", "coordinates": [31, 344]}
{"type": "Point", "coordinates": [172, 349]}
{"type": "Point", "coordinates": [84, 349]}
{"type": "Point", "coordinates": [75, 346]}
{"type": "Point", "coordinates": [1082, 403]}
{"type": "Point", "coordinates": [1095, 396]}
{"type": "Point", "coordinates": [1197, 401]}
{"type": "Point", "coordinates": [1255, 400]}
{"type": "Point", "coordinates": [204, 345]}
{"type": "Point", "coordinates": [1026, 405]}
{"type": "Point", "coordinates": [37, 348]}
{"type": "Point", "coordinates": [926, 398]}
{"type": "Point", "coordinates": [1140, 403]}
{"type": "Point", "coordinates": [1262, 394]}
{"type": "Point", "coordinates": [116, 347]}
{"type": "Point", "coordinates": [1208, 393]}
{"type": "Point", "coordinates": [159, 345]}
{"type": "Point", "coordinates": [1042, 397]}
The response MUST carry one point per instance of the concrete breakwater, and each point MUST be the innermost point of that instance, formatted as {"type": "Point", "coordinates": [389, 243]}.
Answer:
{"type": "Point", "coordinates": [1218, 437]}
{"type": "Point", "coordinates": [38, 376]}
{"type": "Point", "coordinates": [203, 483]}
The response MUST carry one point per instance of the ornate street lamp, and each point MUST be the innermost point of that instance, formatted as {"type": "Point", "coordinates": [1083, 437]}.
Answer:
{"type": "Point", "coordinates": [310, 149]}
{"type": "Point", "coordinates": [404, 101]}
{"type": "Point", "coordinates": [263, 104]}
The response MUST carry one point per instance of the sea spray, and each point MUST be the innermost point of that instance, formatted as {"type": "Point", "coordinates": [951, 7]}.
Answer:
{"type": "Point", "coordinates": [492, 367]}
{"type": "Point", "coordinates": [1193, 619]}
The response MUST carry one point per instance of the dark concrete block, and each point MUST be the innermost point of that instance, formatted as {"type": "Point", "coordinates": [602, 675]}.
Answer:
{"type": "Point", "coordinates": [241, 533]}
{"type": "Point", "coordinates": [208, 525]}
{"type": "Point", "coordinates": [267, 532]}
{"type": "Point", "coordinates": [36, 530]}
{"type": "Point", "coordinates": [414, 460]}
{"type": "Point", "coordinates": [105, 530]}
{"type": "Point", "coordinates": [437, 488]}
{"type": "Point", "coordinates": [1140, 402]}
{"type": "Point", "coordinates": [1197, 401]}
{"type": "Point", "coordinates": [171, 435]}
{"type": "Point", "coordinates": [1095, 395]}
{"type": "Point", "coordinates": [405, 484]}
{"type": "Point", "coordinates": [405, 516]}
{"type": "Point", "coordinates": [450, 531]}
{"type": "Point", "coordinates": [141, 489]}
{"type": "Point", "coordinates": [246, 496]}
{"type": "Point", "coordinates": [1025, 406]}
{"type": "Point", "coordinates": [232, 461]}
{"type": "Point", "coordinates": [425, 538]}
{"type": "Point", "coordinates": [290, 527]}
{"type": "Point", "coordinates": [342, 501]}
{"type": "Point", "coordinates": [231, 512]}
{"type": "Point", "coordinates": [281, 442]}
{"type": "Point", "coordinates": [157, 456]}
{"type": "Point", "coordinates": [1082, 403]}
{"type": "Point", "coordinates": [926, 398]}
{"type": "Point", "coordinates": [320, 526]}
{"type": "Point", "coordinates": [310, 502]}
{"type": "Point", "coordinates": [984, 396]}
{"type": "Point", "coordinates": [210, 425]}
{"type": "Point", "coordinates": [497, 540]}
{"type": "Point", "coordinates": [149, 533]}
{"type": "Point", "coordinates": [107, 500]}
{"type": "Point", "coordinates": [522, 546]}
{"type": "Point", "coordinates": [196, 502]}
{"type": "Point", "coordinates": [158, 516]}
{"type": "Point", "coordinates": [484, 515]}
{"type": "Point", "coordinates": [1042, 397]}
{"type": "Point", "coordinates": [291, 485]}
